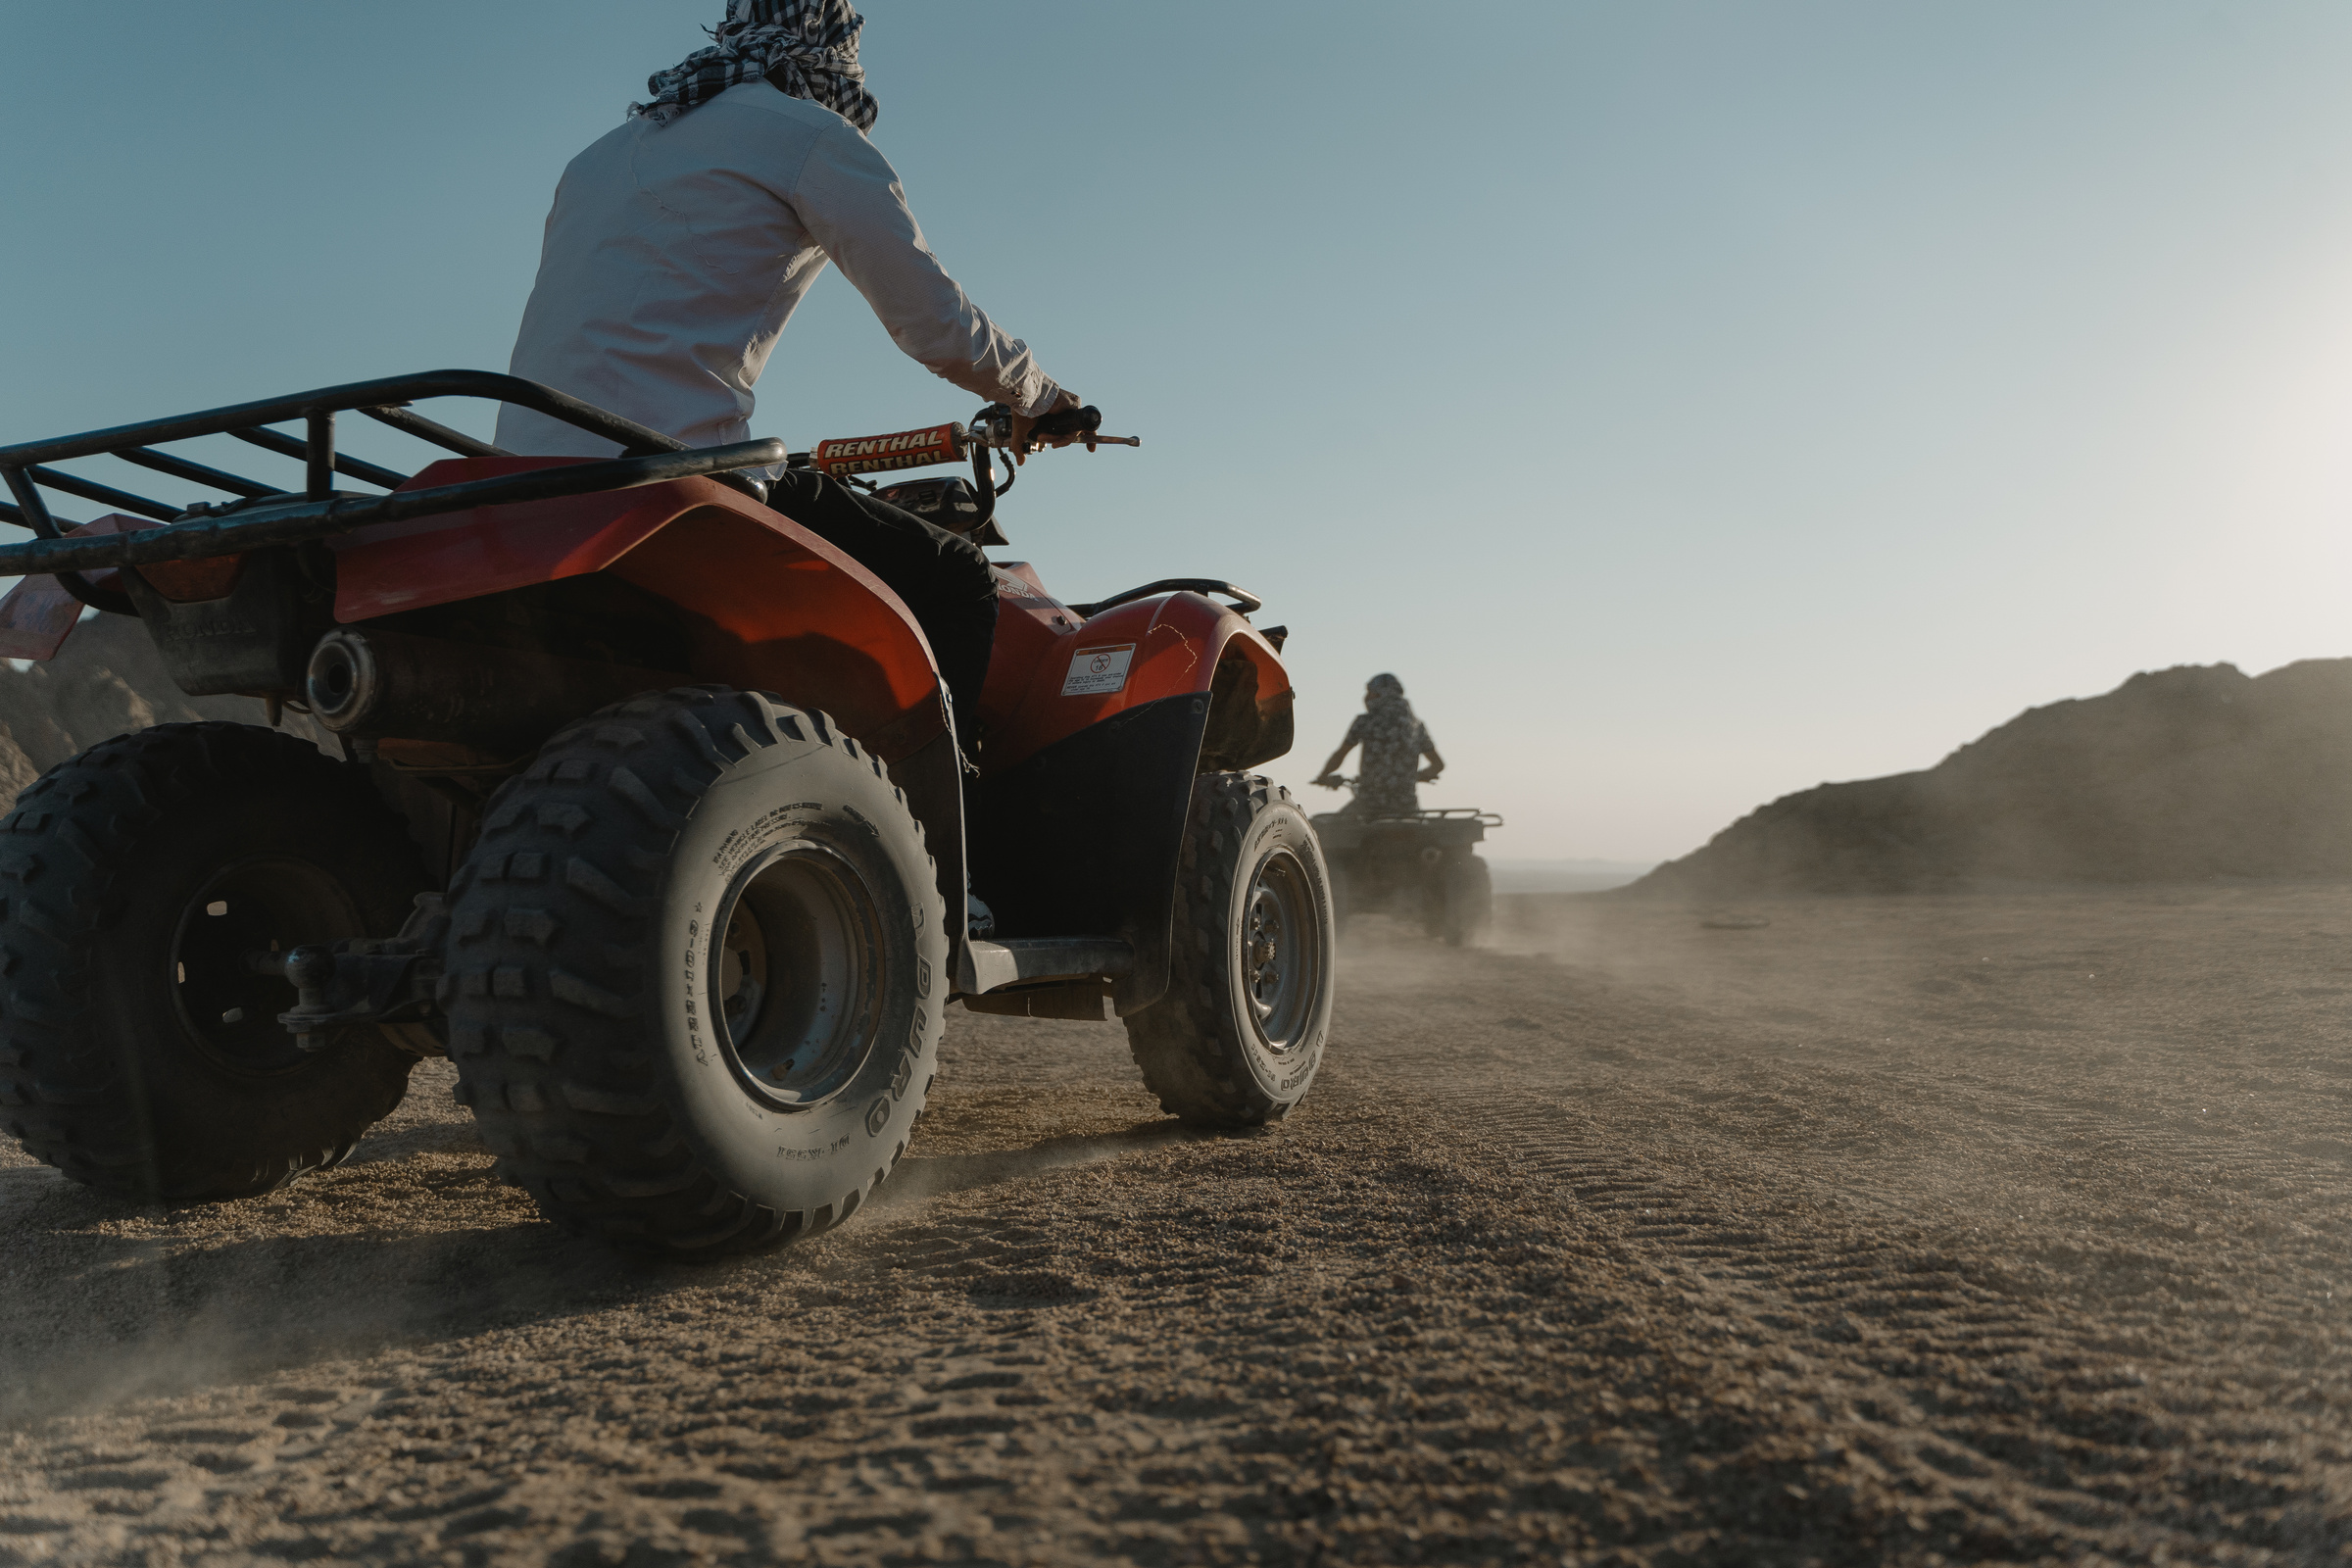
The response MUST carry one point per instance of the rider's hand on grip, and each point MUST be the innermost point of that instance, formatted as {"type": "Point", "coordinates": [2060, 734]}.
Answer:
{"type": "Point", "coordinates": [1065, 421]}
{"type": "Point", "coordinates": [1067, 424]}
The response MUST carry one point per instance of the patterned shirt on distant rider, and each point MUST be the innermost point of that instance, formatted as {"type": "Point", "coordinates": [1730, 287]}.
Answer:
{"type": "Point", "coordinates": [1393, 740]}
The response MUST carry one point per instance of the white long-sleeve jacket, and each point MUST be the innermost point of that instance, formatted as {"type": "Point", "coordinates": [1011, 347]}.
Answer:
{"type": "Point", "coordinates": [674, 254]}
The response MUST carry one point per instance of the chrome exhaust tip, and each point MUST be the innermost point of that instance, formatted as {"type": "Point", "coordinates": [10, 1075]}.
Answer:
{"type": "Point", "coordinates": [344, 680]}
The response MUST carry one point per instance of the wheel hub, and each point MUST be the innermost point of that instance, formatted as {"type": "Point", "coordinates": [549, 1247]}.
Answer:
{"type": "Point", "coordinates": [267, 904]}
{"type": "Point", "coordinates": [794, 983]}
{"type": "Point", "coordinates": [1281, 961]}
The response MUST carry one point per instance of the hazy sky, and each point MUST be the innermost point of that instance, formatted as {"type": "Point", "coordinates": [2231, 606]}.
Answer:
{"type": "Point", "coordinates": [1690, 402]}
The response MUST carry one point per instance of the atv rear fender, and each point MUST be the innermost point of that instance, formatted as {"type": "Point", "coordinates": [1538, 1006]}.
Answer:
{"type": "Point", "coordinates": [767, 605]}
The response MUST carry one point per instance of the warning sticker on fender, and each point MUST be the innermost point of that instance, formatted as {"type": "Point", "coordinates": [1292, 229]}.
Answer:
{"type": "Point", "coordinates": [1097, 671]}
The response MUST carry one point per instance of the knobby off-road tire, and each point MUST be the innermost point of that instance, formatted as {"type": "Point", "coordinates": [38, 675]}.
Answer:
{"type": "Point", "coordinates": [696, 973]}
{"type": "Point", "coordinates": [138, 1053]}
{"type": "Point", "coordinates": [1469, 911]}
{"type": "Point", "coordinates": [1236, 1039]}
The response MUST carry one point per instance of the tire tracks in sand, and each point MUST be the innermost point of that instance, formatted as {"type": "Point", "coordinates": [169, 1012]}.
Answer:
{"type": "Point", "coordinates": [1659, 1254]}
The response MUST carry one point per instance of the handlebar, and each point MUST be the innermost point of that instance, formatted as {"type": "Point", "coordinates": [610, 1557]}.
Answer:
{"type": "Point", "coordinates": [991, 430]}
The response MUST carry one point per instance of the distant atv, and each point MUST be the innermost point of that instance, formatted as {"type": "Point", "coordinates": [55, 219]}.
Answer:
{"type": "Point", "coordinates": [654, 819]}
{"type": "Point", "coordinates": [1419, 866]}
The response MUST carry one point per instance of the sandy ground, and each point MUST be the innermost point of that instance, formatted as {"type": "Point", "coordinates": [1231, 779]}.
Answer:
{"type": "Point", "coordinates": [1895, 1230]}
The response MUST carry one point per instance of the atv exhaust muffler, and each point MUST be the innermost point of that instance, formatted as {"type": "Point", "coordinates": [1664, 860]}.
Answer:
{"type": "Point", "coordinates": [372, 684]}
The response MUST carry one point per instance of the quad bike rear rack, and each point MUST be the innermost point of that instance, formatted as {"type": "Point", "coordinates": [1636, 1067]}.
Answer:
{"type": "Point", "coordinates": [1450, 814]}
{"type": "Point", "coordinates": [262, 514]}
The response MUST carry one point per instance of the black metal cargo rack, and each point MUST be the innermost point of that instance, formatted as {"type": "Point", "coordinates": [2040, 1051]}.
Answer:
{"type": "Point", "coordinates": [262, 514]}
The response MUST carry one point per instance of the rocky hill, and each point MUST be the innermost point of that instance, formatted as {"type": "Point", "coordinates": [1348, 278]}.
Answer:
{"type": "Point", "coordinates": [2186, 773]}
{"type": "Point", "coordinates": [107, 680]}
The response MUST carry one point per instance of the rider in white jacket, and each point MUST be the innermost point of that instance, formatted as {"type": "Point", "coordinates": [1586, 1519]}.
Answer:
{"type": "Point", "coordinates": [680, 245]}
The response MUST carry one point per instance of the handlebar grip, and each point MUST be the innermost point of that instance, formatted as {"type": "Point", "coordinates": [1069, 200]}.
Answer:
{"type": "Point", "coordinates": [1069, 422]}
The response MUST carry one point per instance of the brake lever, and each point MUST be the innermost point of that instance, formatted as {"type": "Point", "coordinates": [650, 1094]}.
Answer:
{"type": "Point", "coordinates": [1088, 428]}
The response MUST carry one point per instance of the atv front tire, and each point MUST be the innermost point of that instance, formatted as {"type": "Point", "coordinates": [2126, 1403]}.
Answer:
{"type": "Point", "coordinates": [1239, 1035]}
{"type": "Point", "coordinates": [138, 1053]}
{"type": "Point", "coordinates": [696, 966]}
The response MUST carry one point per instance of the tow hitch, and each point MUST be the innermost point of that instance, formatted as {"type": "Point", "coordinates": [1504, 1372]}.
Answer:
{"type": "Point", "coordinates": [388, 980]}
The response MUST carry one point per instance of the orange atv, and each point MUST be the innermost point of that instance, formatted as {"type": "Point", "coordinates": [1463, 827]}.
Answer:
{"type": "Point", "coordinates": [650, 813]}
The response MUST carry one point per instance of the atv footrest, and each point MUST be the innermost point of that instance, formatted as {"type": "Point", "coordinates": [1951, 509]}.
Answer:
{"type": "Point", "coordinates": [1023, 961]}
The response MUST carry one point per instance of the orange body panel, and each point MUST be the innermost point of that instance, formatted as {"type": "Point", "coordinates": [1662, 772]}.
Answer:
{"type": "Point", "coordinates": [773, 607]}
{"type": "Point", "coordinates": [1043, 684]}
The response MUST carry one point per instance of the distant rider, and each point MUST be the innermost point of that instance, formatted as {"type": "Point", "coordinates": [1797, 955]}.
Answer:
{"type": "Point", "coordinates": [681, 241]}
{"type": "Point", "coordinates": [1393, 740]}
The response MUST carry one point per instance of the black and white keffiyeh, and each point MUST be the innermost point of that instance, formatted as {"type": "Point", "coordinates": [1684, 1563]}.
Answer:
{"type": "Point", "coordinates": [809, 48]}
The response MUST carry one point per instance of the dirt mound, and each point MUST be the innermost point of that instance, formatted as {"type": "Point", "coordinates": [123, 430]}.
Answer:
{"type": "Point", "coordinates": [108, 680]}
{"type": "Point", "coordinates": [2191, 772]}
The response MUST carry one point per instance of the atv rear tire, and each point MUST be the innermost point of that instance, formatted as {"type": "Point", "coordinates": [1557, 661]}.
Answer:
{"type": "Point", "coordinates": [1469, 901]}
{"type": "Point", "coordinates": [1236, 1038]}
{"type": "Point", "coordinates": [138, 1053]}
{"type": "Point", "coordinates": [620, 946]}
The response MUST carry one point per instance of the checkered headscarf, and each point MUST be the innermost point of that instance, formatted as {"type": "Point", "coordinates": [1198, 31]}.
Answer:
{"type": "Point", "coordinates": [1384, 698]}
{"type": "Point", "coordinates": [807, 47]}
